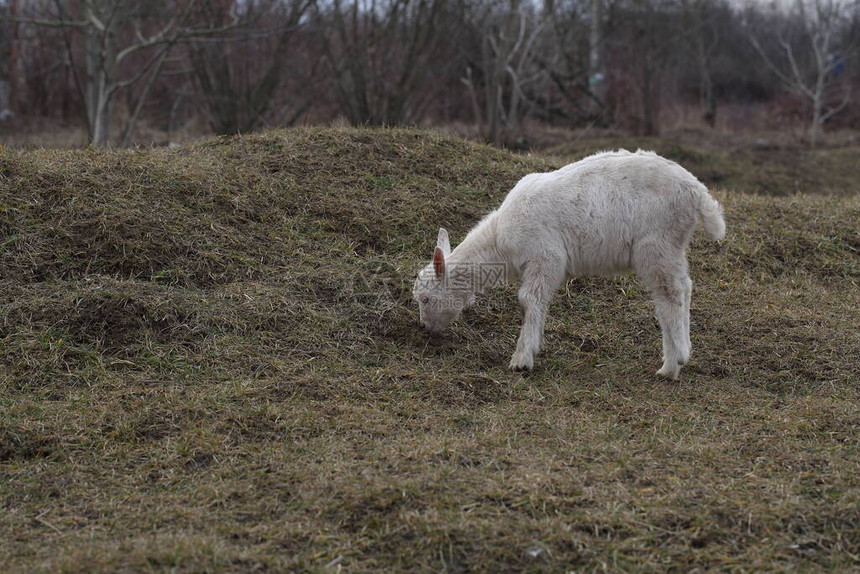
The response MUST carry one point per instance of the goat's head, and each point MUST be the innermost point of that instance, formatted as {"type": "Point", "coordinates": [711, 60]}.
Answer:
{"type": "Point", "coordinates": [439, 301]}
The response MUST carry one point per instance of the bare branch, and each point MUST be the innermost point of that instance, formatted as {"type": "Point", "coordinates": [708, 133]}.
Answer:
{"type": "Point", "coordinates": [798, 77]}
{"type": "Point", "coordinates": [786, 79]}
{"type": "Point", "coordinates": [835, 110]}
{"type": "Point", "coordinates": [50, 23]}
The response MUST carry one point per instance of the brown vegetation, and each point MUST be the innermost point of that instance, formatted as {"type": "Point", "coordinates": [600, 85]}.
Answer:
{"type": "Point", "coordinates": [209, 362]}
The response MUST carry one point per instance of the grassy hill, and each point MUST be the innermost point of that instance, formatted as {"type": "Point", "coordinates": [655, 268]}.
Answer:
{"type": "Point", "coordinates": [209, 361]}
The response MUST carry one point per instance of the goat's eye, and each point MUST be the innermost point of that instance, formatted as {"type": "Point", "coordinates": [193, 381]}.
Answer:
{"type": "Point", "coordinates": [425, 299]}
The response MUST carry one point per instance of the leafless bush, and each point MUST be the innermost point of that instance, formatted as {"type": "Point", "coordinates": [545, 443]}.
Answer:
{"type": "Point", "coordinates": [500, 65]}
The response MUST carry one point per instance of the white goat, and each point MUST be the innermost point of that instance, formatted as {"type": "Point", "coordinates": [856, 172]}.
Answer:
{"type": "Point", "coordinates": [609, 213]}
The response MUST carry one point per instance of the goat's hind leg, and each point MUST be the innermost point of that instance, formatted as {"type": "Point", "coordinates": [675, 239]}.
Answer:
{"type": "Point", "coordinates": [540, 280]}
{"type": "Point", "coordinates": [688, 293]}
{"type": "Point", "coordinates": [670, 289]}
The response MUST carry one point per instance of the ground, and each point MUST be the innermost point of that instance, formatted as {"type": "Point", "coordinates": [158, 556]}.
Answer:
{"type": "Point", "coordinates": [209, 361]}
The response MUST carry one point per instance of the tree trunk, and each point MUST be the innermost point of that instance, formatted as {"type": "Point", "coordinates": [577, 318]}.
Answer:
{"type": "Point", "coordinates": [818, 94]}
{"type": "Point", "coordinates": [815, 129]}
{"type": "Point", "coordinates": [709, 104]}
{"type": "Point", "coordinates": [596, 72]}
{"type": "Point", "coordinates": [13, 58]}
{"type": "Point", "coordinates": [101, 63]}
{"type": "Point", "coordinates": [650, 100]}
{"type": "Point", "coordinates": [707, 99]}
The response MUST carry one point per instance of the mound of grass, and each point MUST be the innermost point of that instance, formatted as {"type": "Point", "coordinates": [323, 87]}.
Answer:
{"type": "Point", "coordinates": [210, 362]}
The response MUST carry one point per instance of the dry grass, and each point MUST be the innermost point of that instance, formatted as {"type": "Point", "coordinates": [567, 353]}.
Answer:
{"type": "Point", "coordinates": [210, 363]}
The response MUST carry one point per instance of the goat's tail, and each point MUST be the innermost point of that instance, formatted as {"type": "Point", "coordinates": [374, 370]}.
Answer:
{"type": "Point", "coordinates": [712, 215]}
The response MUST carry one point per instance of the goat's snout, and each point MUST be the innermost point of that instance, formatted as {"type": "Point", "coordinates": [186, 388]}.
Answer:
{"type": "Point", "coordinates": [430, 329]}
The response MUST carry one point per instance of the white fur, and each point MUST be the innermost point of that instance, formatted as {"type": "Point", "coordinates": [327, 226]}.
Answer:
{"type": "Point", "coordinates": [609, 213]}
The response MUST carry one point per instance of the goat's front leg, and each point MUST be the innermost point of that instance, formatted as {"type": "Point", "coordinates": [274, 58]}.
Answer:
{"type": "Point", "coordinates": [539, 283]}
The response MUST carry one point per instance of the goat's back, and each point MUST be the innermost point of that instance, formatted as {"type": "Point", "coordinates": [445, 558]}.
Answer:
{"type": "Point", "coordinates": [596, 211]}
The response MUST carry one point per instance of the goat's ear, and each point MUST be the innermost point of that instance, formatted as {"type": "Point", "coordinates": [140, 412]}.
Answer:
{"type": "Point", "coordinates": [439, 263]}
{"type": "Point", "coordinates": [443, 243]}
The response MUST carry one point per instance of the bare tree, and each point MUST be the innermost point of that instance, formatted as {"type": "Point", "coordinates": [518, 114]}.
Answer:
{"type": "Point", "coordinates": [703, 38]}
{"type": "Point", "coordinates": [239, 74]}
{"type": "Point", "coordinates": [811, 46]}
{"type": "Point", "coordinates": [9, 103]}
{"type": "Point", "coordinates": [646, 35]}
{"type": "Point", "coordinates": [499, 81]}
{"type": "Point", "coordinates": [244, 63]}
{"type": "Point", "coordinates": [386, 58]}
{"type": "Point", "coordinates": [126, 44]}
{"type": "Point", "coordinates": [566, 56]}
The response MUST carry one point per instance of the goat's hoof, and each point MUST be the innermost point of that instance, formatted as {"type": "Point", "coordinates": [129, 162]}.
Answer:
{"type": "Point", "coordinates": [669, 373]}
{"type": "Point", "coordinates": [518, 366]}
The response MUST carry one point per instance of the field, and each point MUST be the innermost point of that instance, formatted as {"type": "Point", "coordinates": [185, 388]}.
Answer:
{"type": "Point", "coordinates": [209, 361]}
